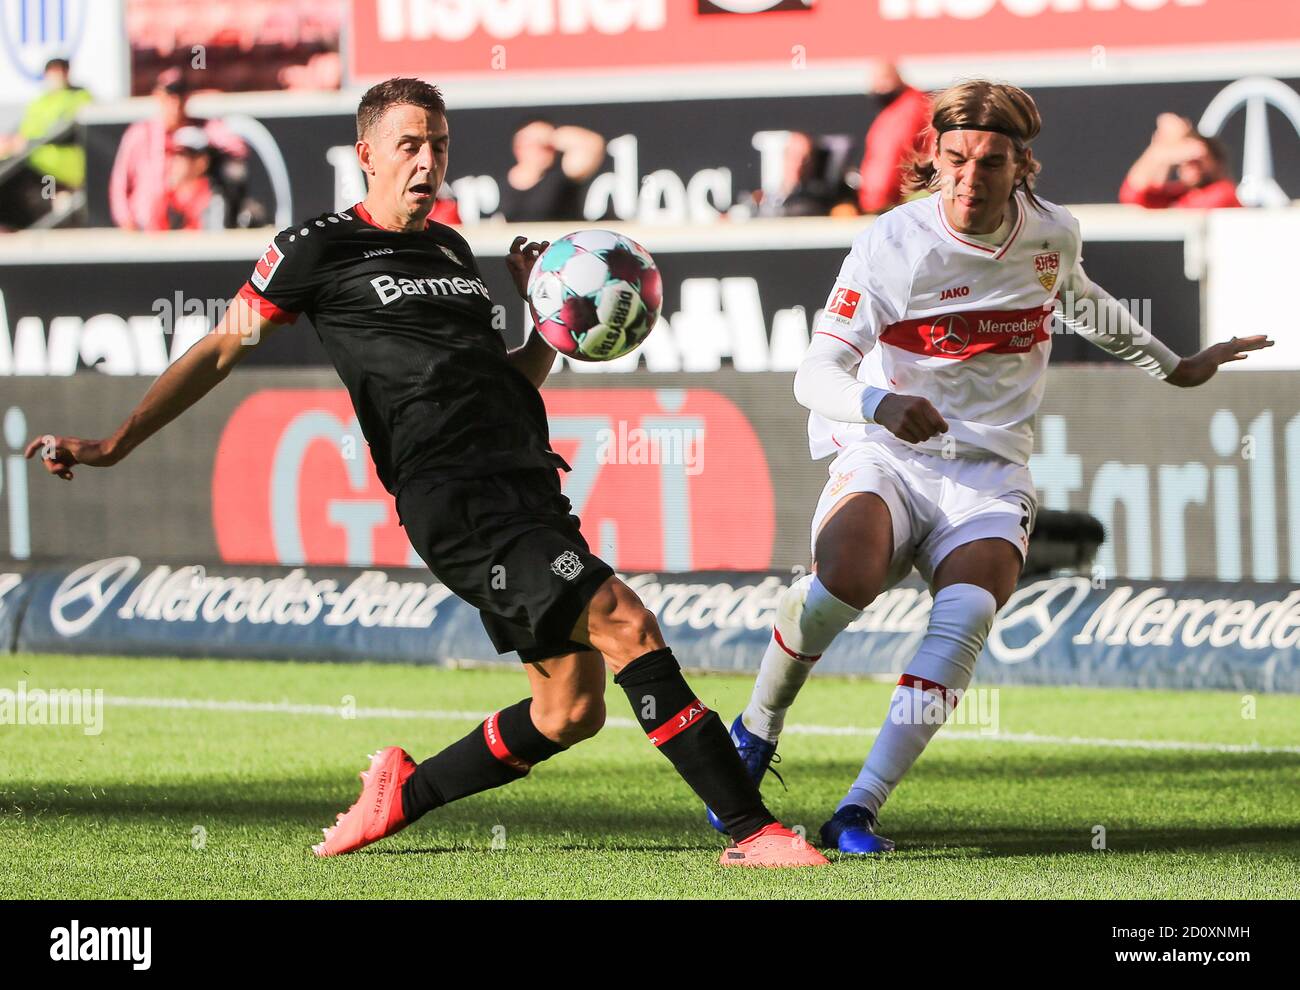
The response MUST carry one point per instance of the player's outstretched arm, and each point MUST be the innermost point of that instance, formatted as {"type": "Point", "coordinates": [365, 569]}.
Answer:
{"type": "Point", "coordinates": [190, 378]}
{"type": "Point", "coordinates": [1200, 367]}
{"type": "Point", "coordinates": [1107, 324]}
{"type": "Point", "coordinates": [536, 357]}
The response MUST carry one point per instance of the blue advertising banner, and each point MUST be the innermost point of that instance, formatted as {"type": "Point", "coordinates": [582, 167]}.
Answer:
{"type": "Point", "coordinates": [1055, 630]}
{"type": "Point", "coordinates": [13, 597]}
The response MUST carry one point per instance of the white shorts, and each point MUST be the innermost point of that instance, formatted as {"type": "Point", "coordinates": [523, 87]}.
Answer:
{"type": "Point", "coordinates": [936, 504]}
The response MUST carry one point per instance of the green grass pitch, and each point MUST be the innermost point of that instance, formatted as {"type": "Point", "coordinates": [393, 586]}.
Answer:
{"type": "Point", "coordinates": [212, 802]}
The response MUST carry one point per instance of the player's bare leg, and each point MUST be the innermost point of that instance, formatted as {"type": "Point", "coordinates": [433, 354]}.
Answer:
{"type": "Point", "coordinates": [568, 696]}
{"type": "Point", "coordinates": [992, 564]}
{"type": "Point", "coordinates": [970, 585]}
{"type": "Point", "coordinates": [679, 725]}
{"type": "Point", "coordinates": [854, 546]}
{"type": "Point", "coordinates": [567, 706]}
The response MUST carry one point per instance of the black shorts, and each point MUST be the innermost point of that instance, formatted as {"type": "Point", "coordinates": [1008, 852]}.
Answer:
{"type": "Point", "coordinates": [509, 545]}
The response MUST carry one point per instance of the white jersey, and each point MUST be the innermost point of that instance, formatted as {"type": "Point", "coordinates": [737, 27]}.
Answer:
{"type": "Point", "coordinates": [964, 324]}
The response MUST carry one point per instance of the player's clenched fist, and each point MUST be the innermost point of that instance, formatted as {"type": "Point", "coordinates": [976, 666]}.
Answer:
{"type": "Point", "coordinates": [910, 418]}
{"type": "Point", "coordinates": [58, 454]}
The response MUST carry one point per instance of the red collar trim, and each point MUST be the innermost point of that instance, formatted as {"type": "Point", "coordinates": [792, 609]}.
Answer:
{"type": "Point", "coordinates": [997, 252]}
{"type": "Point", "coordinates": [361, 211]}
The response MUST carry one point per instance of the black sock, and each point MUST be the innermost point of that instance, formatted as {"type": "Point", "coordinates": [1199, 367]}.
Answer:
{"type": "Point", "coordinates": [694, 740]}
{"type": "Point", "coordinates": [503, 748]}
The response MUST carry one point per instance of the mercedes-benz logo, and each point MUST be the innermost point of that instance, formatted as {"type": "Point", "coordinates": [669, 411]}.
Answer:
{"type": "Point", "coordinates": [1038, 611]}
{"type": "Point", "coordinates": [84, 595]}
{"type": "Point", "coordinates": [949, 334]}
{"type": "Point", "coordinates": [1256, 93]}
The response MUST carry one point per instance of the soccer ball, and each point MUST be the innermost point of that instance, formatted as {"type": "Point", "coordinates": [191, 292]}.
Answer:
{"type": "Point", "coordinates": [595, 295]}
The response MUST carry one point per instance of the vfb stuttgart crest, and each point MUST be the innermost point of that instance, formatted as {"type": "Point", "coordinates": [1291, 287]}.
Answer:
{"type": "Point", "coordinates": [1046, 267]}
{"type": "Point", "coordinates": [567, 565]}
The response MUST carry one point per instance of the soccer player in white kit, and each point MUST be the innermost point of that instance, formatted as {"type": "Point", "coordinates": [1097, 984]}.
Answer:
{"type": "Point", "coordinates": [923, 376]}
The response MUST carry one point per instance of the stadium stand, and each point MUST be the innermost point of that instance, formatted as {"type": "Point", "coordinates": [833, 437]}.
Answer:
{"type": "Point", "coordinates": [247, 44]}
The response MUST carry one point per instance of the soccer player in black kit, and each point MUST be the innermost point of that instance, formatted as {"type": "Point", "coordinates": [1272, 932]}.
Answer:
{"type": "Point", "coordinates": [458, 434]}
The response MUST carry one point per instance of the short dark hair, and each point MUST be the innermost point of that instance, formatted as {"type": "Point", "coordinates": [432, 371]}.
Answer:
{"type": "Point", "coordinates": [59, 63]}
{"type": "Point", "coordinates": [395, 92]}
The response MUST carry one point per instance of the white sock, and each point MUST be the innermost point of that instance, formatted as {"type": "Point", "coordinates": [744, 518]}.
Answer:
{"type": "Point", "coordinates": [926, 694]}
{"type": "Point", "coordinates": [808, 618]}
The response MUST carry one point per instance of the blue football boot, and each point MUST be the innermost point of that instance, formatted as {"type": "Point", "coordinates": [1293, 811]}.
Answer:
{"type": "Point", "coordinates": [756, 753]}
{"type": "Point", "coordinates": [852, 830]}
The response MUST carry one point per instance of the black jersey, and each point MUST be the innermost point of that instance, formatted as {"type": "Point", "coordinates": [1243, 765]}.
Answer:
{"type": "Point", "coordinates": [407, 321]}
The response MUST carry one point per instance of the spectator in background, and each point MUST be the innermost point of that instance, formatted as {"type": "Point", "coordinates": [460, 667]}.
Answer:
{"type": "Point", "coordinates": [138, 189]}
{"type": "Point", "coordinates": [201, 193]}
{"type": "Point", "coordinates": [897, 135]}
{"type": "Point", "coordinates": [808, 187]}
{"type": "Point", "coordinates": [1198, 163]}
{"type": "Point", "coordinates": [551, 165]}
{"type": "Point", "coordinates": [192, 202]}
{"type": "Point", "coordinates": [324, 70]}
{"type": "Point", "coordinates": [26, 195]}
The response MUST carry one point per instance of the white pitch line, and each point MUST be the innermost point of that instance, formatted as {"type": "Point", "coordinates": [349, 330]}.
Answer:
{"type": "Point", "coordinates": [290, 708]}
{"type": "Point", "coordinates": [336, 711]}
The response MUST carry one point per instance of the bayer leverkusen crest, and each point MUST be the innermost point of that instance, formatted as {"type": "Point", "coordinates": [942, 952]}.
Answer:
{"type": "Point", "coordinates": [1046, 267]}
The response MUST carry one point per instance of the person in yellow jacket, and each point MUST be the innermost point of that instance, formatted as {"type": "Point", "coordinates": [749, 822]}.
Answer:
{"type": "Point", "coordinates": [28, 193]}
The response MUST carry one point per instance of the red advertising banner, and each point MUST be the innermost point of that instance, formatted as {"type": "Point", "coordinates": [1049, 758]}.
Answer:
{"type": "Point", "coordinates": [664, 479]}
{"type": "Point", "coordinates": [470, 37]}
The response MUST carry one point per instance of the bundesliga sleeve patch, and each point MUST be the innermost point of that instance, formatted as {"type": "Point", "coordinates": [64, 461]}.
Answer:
{"type": "Point", "coordinates": [266, 266]}
{"type": "Point", "coordinates": [843, 303]}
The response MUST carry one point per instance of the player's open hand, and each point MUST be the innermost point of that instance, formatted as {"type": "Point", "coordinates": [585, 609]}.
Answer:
{"type": "Point", "coordinates": [910, 417]}
{"type": "Point", "coordinates": [1200, 367]}
{"type": "Point", "coordinates": [59, 454]}
{"type": "Point", "coordinates": [523, 255]}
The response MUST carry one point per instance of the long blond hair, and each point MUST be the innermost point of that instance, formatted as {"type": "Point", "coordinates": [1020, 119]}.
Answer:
{"type": "Point", "coordinates": [979, 104]}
